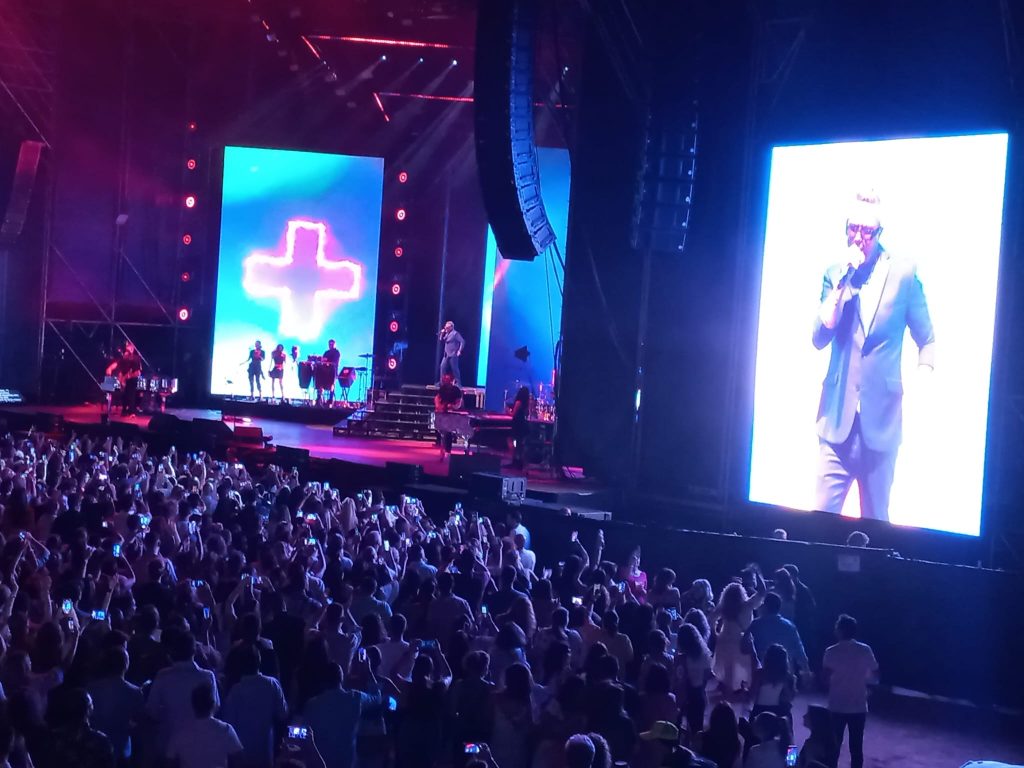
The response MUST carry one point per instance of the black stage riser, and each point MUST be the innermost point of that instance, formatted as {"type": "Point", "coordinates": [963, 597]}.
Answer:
{"type": "Point", "coordinates": [296, 414]}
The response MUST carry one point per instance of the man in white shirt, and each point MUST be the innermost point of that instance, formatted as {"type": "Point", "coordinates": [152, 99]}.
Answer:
{"type": "Point", "coordinates": [849, 668]}
{"type": "Point", "coordinates": [527, 558]}
{"type": "Point", "coordinates": [205, 741]}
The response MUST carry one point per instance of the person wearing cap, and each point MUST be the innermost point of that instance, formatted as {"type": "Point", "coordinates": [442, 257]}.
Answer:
{"type": "Point", "coordinates": [660, 748]}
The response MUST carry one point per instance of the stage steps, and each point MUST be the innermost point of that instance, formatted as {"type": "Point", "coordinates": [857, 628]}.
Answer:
{"type": "Point", "coordinates": [404, 414]}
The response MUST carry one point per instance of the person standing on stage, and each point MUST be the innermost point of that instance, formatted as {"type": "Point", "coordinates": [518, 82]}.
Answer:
{"type": "Point", "coordinates": [520, 427]}
{"type": "Point", "coordinates": [453, 344]}
{"type": "Point", "coordinates": [127, 368]}
{"type": "Point", "coordinates": [277, 358]}
{"type": "Point", "coordinates": [332, 357]}
{"type": "Point", "coordinates": [292, 374]}
{"type": "Point", "coordinates": [868, 302]}
{"type": "Point", "coordinates": [447, 399]}
{"type": "Point", "coordinates": [256, 358]}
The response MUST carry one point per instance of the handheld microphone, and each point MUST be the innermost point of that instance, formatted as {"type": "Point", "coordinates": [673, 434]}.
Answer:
{"type": "Point", "coordinates": [850, 272]}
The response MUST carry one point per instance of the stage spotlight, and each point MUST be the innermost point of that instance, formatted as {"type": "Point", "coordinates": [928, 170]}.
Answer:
{"type": "Point", "coordinates": [190, 201]}
{"type": "Point", "coordinates": [186, 239]}
{"type": "Point", "coordinates": [191, 164]}
{"type": "Point", "coordinates": [400, 214]}
{"type": "Point", "coordinates": [392, 363]}
{"type": "Point", "coordinates": [420, 60]}
{"type": "Point", "coordinates": [403, 177]}
{"type": "Point", "coordinates": [192, 125]}
{"type": "Point", "coordinates": [393, 326]}
{"type": "Point", "coordinates": [384, 58]}
{"type": "Point", "coordinates": [331, 77]}
{"type": "Point", "coordinates": [396, 288]}
{"type": "Point", "coordinates": [184, 313]}
{"type": "Point", "coordinates": [455, 62]}
{"type": "Point", "coordinates": [399, 251]}
{"type": "Point", "coordinates": [186, 276]}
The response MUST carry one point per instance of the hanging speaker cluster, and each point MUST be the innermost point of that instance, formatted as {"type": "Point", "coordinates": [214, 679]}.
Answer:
{"type": "Point", "coordinates": [506, 152]}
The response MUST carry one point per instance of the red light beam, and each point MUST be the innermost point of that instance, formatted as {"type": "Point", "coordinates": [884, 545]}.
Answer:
{"type": "Point", "coordinates": [376, 97]}
{"type": "Point", "coordinates": [382, 41]}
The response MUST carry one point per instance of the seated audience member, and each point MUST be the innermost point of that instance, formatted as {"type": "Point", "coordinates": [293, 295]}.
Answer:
{"type": "Point", "coordinates": [720, 742]}
{"type": "Point", "coordinates": [579, 752]}
{"type": "Point", "coordinates": [773, 738]}
{"type": "Point", "coordinates": [820, 748]}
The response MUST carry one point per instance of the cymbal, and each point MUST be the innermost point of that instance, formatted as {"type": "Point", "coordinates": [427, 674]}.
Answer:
{"type": "Point", "coordinates": [366, 355]}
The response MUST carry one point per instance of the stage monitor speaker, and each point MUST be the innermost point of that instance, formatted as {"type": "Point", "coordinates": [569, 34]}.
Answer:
{"type": "Point", "coordinates": [287, 457]}
{"type": "Point", "coordinates": [506, 153]}
{"type": "Point", "coordinates": [48, 422]}
{"type": "Point", "coordinates": [21, 191]}
{"type": "Point", "coordinates": [403, 474]}
{"type": "Point", "coordinates": [249, 434]}
{"type": "Point", "coordinates": [493, 487]}
{"type": "Point", "coordinates": [212, 429]}
{"type": "Point", "coordinates": [463, 465]}
{"type": "Point", "coordinates": [166, 424]}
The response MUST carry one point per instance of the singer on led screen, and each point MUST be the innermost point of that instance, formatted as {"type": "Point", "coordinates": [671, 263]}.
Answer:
{"type": "Point", "coordinates": [873, 419]}
{"type": "Point", "coordinates": [867, 304]}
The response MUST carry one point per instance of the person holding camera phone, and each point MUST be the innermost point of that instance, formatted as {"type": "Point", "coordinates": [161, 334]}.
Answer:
{"type": "Point", "coordinates": [336, 713]}
{"type": "Point", "coordinates": [422, 708]}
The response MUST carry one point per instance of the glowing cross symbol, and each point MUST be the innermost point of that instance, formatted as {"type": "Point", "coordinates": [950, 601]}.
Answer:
{"type": "Point", "coordinates": [304, 280]}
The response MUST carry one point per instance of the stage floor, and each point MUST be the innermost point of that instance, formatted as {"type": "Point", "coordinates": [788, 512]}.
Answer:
{"type": "Point", "coordinates": [320, 441]}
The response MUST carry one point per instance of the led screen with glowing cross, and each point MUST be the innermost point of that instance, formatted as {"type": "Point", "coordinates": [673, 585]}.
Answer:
{"type": "Point", "coordinates": [299, 239]}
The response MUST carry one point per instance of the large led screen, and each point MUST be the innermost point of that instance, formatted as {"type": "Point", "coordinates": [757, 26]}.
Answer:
{"type": "Point", "coordinates": [299, 243]}
{"type": "Point", "coordinates": [876, 320]}
{"type": "Point", "coordinates": [522, 301]}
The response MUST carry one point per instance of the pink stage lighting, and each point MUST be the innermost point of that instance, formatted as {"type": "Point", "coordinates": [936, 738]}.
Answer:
{"type": "Point", "coordinates": [307, 283]}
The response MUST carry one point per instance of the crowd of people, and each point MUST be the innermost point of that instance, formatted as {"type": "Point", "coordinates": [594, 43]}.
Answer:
{"type": "Point", "coordinates": [178, 610]}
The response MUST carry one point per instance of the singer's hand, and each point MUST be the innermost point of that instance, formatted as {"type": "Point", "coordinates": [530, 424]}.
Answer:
{"type": "Point", "coordinates": [855, 257]}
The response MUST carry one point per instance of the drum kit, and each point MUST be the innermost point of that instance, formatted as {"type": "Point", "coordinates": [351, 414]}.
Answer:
{"type": "Point", "coordinates": [542, 401]}
{"type": "Point", "coordinates": [154, 391]}
{"type": "Point", "coordinates": [316, 372]}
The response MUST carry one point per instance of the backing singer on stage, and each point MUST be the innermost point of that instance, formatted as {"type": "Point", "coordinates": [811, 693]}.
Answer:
{"type": "Point", "coordinates": [867, 303]}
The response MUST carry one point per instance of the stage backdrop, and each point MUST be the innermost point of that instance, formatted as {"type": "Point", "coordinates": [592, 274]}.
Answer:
{"type": "Point", "coordinates": [941, 205]}
{"type": "Point", "coordinates": [299, 242]}
{"type": "Point", "coordinates": [522, 300]}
